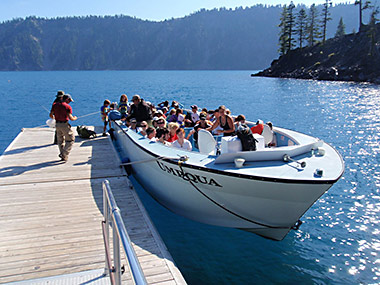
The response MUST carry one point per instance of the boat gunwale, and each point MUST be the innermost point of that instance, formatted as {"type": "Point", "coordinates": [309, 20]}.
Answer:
{"type": "Point", "coordinates": [244, 176]}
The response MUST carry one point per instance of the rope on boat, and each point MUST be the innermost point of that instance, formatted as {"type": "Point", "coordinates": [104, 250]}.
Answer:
{"type": "Point", "coordinates": [144, 161]}
{"type": "Point", "coordinates": [233, 213]}
{"type": "Point", "coordinates": [180, 159]}
{"type": "Point", "coordinates": [88, 114]}
{"type": "Point", "coordinates": [42, 106]}
{"type": "Point", "coordinates": [45, 125]}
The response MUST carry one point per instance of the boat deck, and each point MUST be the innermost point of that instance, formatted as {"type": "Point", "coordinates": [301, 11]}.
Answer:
{"type": "Point", "coordinates": [51, 213]}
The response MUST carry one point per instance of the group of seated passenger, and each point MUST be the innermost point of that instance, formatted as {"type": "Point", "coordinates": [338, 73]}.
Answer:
{"type": "Point", "coordinates": [165, 123]}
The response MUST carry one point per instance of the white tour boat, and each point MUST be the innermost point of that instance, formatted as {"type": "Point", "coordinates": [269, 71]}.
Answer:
{"type": "Point", "coordinates": [264, 191]}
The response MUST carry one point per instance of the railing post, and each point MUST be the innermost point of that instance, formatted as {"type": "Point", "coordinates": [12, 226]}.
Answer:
{"type": "Point", "coordinates": [113, 217]}
{"type": "Point", "coordinates": [106, 213]}
{"type": "Point", "coordinates": [116, 254]}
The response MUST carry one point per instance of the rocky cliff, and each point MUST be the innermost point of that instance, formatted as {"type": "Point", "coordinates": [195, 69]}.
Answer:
{"type": "Point", "coordinates": [354, 57]}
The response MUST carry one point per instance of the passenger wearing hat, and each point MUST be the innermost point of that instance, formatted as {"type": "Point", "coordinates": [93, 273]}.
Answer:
{"type": "Point", "coordinates": [192, 117]}
{"type": "Point", "coordinates": [58, 98]}
{"type": "Point", "coordinates": [161, 123]}
{"type": "Point", "coordinates": [155, 119]}
{"type": "Point", "coordinates": [201, 124]}
{"type": "Point", "coordinates": [143, 127]}
{"type": "Point", "coordinates": [67, 98]}
{"type": "Point", "coordinates": [140, 111]}
{"type": "Point", "coordinates": [62, 113]}
{"type": "Point", "coordinates": [133, 126]}
{"type": "Point", "coordinates": [160, 114]}
{"type": "Point", "coordinates": [194, 114]}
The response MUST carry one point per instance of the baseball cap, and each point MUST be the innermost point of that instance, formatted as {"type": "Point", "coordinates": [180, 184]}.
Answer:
{"type": "Point", "coordinates": [136, 97]}
{"type": "Point", "coordinates": [67, 96]}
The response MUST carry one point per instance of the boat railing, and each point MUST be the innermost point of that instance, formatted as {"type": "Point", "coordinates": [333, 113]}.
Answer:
{"type": "Point", "coordinates": [113, 219]}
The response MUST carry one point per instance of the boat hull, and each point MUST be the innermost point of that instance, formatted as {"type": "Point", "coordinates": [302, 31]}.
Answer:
{"type": "Point", "coordinates": [265, 207]}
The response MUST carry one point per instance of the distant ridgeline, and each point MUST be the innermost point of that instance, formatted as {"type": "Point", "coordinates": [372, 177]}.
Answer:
{"type": "Point", "coordinates": [243, 38]}
{"type": "Point", "coordinates": [353, 57]}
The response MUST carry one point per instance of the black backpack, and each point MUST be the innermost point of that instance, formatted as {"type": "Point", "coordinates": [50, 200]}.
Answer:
{"type": "Point", "coordinates": [248, 142]}
{"type": "Point", "coordinates": [85, 133]}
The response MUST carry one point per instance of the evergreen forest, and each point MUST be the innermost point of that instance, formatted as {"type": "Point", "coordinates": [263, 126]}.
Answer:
{"type": "Point", "coordinates": [241, 38]}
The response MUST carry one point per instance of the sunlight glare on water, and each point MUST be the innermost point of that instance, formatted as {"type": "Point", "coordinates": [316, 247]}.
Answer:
{"type": "Point", "coordinates": [351, 211]}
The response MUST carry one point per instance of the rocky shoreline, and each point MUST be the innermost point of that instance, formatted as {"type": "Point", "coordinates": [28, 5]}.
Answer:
{"type": "Point", "coordinates": [349, 58]}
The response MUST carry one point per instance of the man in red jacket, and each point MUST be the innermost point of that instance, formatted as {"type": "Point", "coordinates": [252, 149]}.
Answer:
{"type": "Point", "coordinates": [62, 113]}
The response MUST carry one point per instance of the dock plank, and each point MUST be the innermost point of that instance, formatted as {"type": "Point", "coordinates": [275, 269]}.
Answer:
{"type": "Point", "coordinates": [51, 211]}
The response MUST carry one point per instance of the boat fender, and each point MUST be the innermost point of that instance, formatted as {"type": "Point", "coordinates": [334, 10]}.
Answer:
{"type": "Point", "coordinates": [128, 168]}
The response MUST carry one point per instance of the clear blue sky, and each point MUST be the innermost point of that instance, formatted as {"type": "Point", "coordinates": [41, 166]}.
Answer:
{"type": "Point", "coordinates": [144, 9]}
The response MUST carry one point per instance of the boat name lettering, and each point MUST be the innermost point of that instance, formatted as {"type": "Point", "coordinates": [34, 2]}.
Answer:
{"type": "Point", "coordinates": [187, 176]}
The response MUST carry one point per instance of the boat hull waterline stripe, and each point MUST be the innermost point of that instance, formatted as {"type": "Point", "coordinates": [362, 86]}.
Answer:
{"type": "Point", "coordinates": [229, 211]}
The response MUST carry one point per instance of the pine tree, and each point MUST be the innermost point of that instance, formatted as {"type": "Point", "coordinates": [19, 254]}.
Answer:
{"type": "Point", "coordinates": [362, 7]}
{"type": "Point", "coordinates": [301, 27]}
{"type": "Point", "coordinates": [290, 20]}
{"type": "Point", "coordinates": [326, 17]}
{"type": "Point", "coordinates": [313, 26]}
{"type": "Point", "coordinates": [283, 35]}
{"type": "Point", "coordinates": [372, 30]}
{"type": "Point", "coordinates": [341, 29]}
{"type": "Point", "coordinates": [287, 29]}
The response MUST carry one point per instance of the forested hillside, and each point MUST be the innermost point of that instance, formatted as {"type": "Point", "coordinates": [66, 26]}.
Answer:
{"type": "Point", "coordinates": [244, 38]}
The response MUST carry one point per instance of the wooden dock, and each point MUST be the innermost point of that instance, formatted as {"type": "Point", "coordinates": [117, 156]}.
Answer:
{"type": "Point", "coordinates": [51, 211]}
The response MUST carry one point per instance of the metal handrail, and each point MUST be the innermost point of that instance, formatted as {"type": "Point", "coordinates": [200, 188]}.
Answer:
{"type": "Point", "coordinates": [119, 233]}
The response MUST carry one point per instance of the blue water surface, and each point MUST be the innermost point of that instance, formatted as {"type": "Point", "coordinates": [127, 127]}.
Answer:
{"type": "Point", "coordinates": [338, 242]}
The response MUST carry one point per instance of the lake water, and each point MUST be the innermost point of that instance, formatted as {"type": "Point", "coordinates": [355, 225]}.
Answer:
{"type": "Point", "coordinates": [338, 243]}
